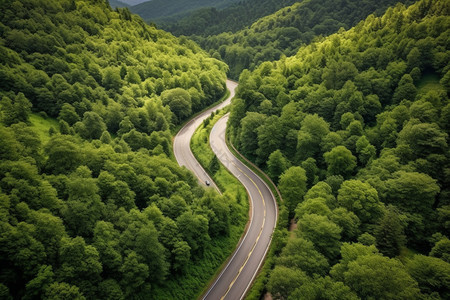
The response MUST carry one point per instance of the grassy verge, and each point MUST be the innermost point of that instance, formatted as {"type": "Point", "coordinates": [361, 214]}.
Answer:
{"type": "Point", "coordinates": [231, 187]}
{"type": "Point", "coordinates": [226, 182]}
{"type": "Point", "coordinates": [204, 155]}
{"type": "Point", "coordinates": [256, 170]}
{"type": "Point", "coordinates": [258, 287]}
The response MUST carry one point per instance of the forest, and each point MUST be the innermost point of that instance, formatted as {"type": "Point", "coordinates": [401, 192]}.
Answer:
{"type": "Point", "coordinates": [157, 10]}
{"type": "Point", "coordinates": [277, 34]}
{"type": "Point", "coordinates": [92, 202]}
{"type": "Point", "coordinates": [344, 104]}
{"type": "Point", "coordinates": [354, 131]}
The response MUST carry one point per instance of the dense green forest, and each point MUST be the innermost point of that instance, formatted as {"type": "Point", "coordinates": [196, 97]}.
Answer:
{"type": "Point", "coordinates": [278, 34]}
{"type": "Point", "coordinates": [211, 21]}
{"type": "Point", "coordinates": [115, 3]}
{"type": "Point", "coordinates": [156, 10]}
{"type": "Point", "coordinates": [354, 129]}
{"type": "Point", "coordinates": [92, 203]}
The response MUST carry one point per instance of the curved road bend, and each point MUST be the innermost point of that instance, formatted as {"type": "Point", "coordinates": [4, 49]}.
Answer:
{"type": "Point", "coordinates": [182, 141]}
{"type": "Point", "coordinates": [237, 276]}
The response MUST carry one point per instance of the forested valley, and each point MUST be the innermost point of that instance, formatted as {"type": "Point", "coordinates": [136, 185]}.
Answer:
{"type": "Point", "coordinates": [354, 131]}
{"type": "Point", "coordinates": [282, 28]}
{"type": "Point", "coordinates": [92, 203]}
{"type": "Point", "coordinates": [344, 104]}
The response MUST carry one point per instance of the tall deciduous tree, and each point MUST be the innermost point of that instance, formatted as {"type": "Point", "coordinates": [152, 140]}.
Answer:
{"type": "Point", "coordinates": [431, 273]}
{"type": "Point", "coordinates": [362, 199]}
{"type": "Point", "coordinates": [276, 165]}
{"type": "Point", "coordinates": [340, 161]}
{"type": "Point", "coordinates": [390, 233]}
{"type": "Point", "coordinates": [324, 234]}
{"type": "Point", "coordinates": [292, 186]}
{"type": "Point", "coordinates": [378, 277]}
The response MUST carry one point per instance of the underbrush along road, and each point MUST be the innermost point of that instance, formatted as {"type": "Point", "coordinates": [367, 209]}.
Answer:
{"type": "Point", "coordinates": [236, 277]}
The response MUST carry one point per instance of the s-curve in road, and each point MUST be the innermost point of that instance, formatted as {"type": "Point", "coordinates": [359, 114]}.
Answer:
{"type": "Point", "coordinates": [182, 141]}
{"type": "Point", "coordinates": [238, 274]}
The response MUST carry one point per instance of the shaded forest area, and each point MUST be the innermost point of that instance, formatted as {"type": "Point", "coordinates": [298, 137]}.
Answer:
{"type": "Point", "coordinates": [156, 10]}
{"type": "Point", "coordinates": [92, 203]}
{"type": "Point", "coordinates": [354, 130]}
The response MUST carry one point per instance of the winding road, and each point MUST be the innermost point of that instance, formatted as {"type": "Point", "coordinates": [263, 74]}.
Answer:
{"type": "Point", "coordinates": [237, 276]}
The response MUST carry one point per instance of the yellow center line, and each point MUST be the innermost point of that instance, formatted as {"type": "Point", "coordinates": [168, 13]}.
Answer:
{"type": "Point", "coordinates": [257, 239]}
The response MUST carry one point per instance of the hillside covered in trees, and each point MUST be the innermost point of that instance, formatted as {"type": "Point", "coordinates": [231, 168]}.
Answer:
{"type": "Point", "coordinates": [212, 20]}
{"type": "Point", "coordinates": [354, 129]}
{"type": "Point", "coordinates": [92, 204]}
{"type": "Point", "coordinates": [280, 33]}
{"type": "Point", "coordinates": [156, 10]}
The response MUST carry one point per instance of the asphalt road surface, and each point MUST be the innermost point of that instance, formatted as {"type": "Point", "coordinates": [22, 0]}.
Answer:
{"type": "Point", "coordinates": [181, 143]}
{"type": "Point", "coordinates": [237, 276]}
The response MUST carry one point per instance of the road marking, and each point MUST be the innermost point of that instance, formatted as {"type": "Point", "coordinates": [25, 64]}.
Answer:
{"type": "Point", "coordinates": [257, 239]}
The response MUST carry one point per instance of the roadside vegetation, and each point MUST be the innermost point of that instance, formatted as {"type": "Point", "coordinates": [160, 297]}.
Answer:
{"type": "Point", "coordinates": [354, 131]}
{"type": "Point", "coordinates": [92, 206]}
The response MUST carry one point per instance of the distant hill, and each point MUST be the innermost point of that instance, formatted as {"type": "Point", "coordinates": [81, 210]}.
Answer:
{"type": "Point", "coordinates": [211, 21]}
{"type": "Point", "coordinates": [277, 34]}
{"type": "Point", "coordinates": [115, 3]}
{"type": "Point", "coordinates": [134, 2]}
{"type": "Point", "coordinates": [157, 9]}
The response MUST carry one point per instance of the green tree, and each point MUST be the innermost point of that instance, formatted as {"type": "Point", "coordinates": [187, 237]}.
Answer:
{"type": "Point", "coordinates": [316, 206]}
{"type": "Point", "coordinates": [378, 277]}
{"type": "Point", "coordinates": [106, 241]}
{"type": "Point", "coordinates": [283, 281]}
{"type": "Point", "coordinates": [270, 138]}
{"type": "Point", "coordinates": [179, 101]}
{"type": "Point", "coordinates": [79, 264]}
{"type": "Point", "coordinates": [324, 191]}
{"type": "Point", "coordinates": [349, 253]}
{"type": "Point", "coordinates": [111, 79]}
{"type": "Point", "coordinates": [323, 288]}
{"type": "Point", "coordinates": [362, 199]}
{"type": "Point", "coordinates": [39, 284]}
{"type": "Point", "coordinates": [83, 207]}
{"type": "Point", "coordinates": [134, 275]}
{"type": "Point", "coordinates": [412, 191]}
{"type": "Point", "coordinates": [292, 186]}
{"type": "Point", "coordinates": [366, 151]}
{"type": "Point", "coordinates": [442, 249]}
{"type": "Point", "coordinates": [313, 130]}
{"type": "Point", "coordinates": [63, 291]}
{"type": "Point", "coordinates": [337, 73]}
{"type": "Point", "coordinates": [432, 274]}
{"type": "Point", "coordinates": [301, 254]}
{"type": "Point", "coordinates": [276, 165]}
{"type": "Point", "coordinates": [182, 255]}
{"type": "Point", "coordinates": [194, 230]}
{"type": "Point", "coordinates": [110, 289]}
{"type": "Point", "coordinates": [68, 114]}
{"type": "Point", "coordinates": [390, 233]}
{"type": "Point", "coordinates": [421, 139]}
{"type": "Point", "coordinates": [322, 232]}
{"type": "Point", "coordinates": [94, 125]}
{"type": "Point", "coordinates": [63, 154]}
{"type": "Point", "coordinates": [405, 90]}
{"type": "Point", "coordinates": [214, 165]}
{"type": "Point", "coordinates": [15, 111]}
{"type": "Point", "coordinates": [248, 138]}
{"type": "Point", "coordinates": [340, 161]}
{"type": "Point", "coordinates": [348, 221]}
